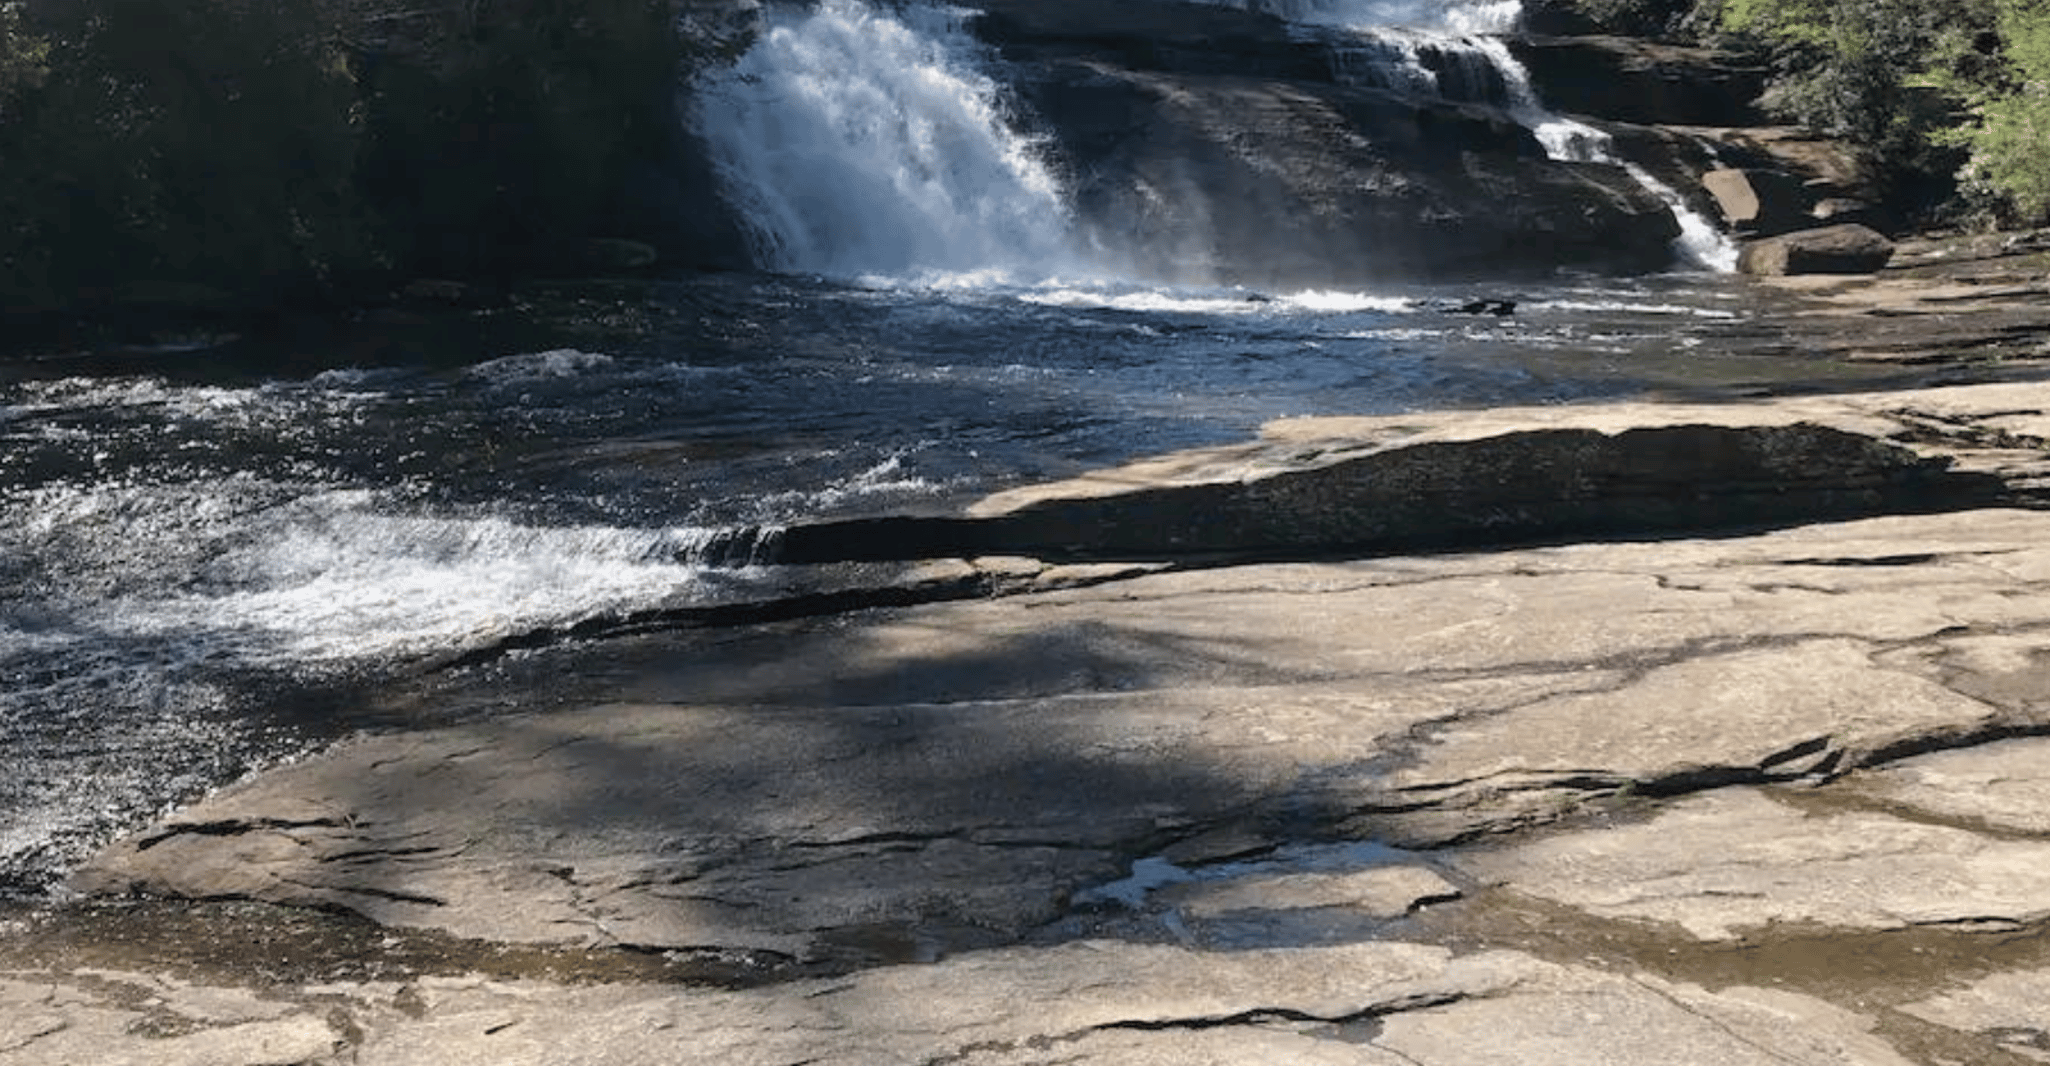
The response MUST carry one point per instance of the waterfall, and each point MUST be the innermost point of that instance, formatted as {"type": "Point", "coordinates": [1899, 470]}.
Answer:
{"type": "Point", "coordinates": [863, 142]}
{"type": "Point", "coordinates": [1700, 245]}
{"type": "Point", "coordinates": [1451, 50]}
{"type": "Point", "coordinates": [1449, 18]}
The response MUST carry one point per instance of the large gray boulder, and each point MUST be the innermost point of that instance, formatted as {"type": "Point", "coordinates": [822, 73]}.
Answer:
{"type": "Point", "coordinates": [1848, 248]}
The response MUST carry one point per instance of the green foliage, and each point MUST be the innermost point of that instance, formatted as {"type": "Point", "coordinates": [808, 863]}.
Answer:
{"type": "Point", "coordinates": [500, 126]}
{"type": "Point", "coordinates": [263, 150]}
{"type": "Point", "coordinates": [2007, 89]}
{"type": "Point", "coordinates": [1949, 98]}
{"type": "Point", "coordinates": [1859, 70]}
{"type": "Point", "coordinates": [1647, 18]}
{"type": "Point", "coordinates": [211, 144]}
{"type": "Point", "coordinates": [22, 55]}
{"type": "Point", "coordinates": [1845, 63]}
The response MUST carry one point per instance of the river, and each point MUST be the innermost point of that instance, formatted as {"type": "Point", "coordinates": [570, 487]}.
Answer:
{"type": "Point", "coordinates": [212, 553]}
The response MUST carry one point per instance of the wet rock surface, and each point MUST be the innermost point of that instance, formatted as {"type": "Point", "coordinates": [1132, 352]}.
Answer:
{"type": "Point", "coordinates": [1226, 142]}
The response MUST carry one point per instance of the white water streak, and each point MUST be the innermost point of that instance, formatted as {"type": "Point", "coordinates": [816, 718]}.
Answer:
{"type": "Point", "coordinates": [1443, 17]}
{"type": "Point", "coordinates": [1401, 29]}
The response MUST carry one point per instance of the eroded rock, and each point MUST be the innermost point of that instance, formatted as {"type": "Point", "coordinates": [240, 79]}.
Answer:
{"type": "Point", "coordinates": [1760, 203]}
{"type": "Point", "coordinates": [1221, 146]}
{"type": "Point", "coordinates": [121, 1019]}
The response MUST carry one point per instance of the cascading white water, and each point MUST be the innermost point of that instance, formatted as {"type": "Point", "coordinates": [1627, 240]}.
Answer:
{"type": "Point", "coordinates": [1451, 49]}
{"type": "Point", "coordinates": [1458, 18]}
{"type": "Point", "coordinates": [864, 142]}
{"type": "Point", "coordinates": [1700, 245]}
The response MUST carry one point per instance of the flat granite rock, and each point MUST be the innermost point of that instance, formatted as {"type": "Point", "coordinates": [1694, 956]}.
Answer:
{"type": "Point", "coordinates": [1734, 861]}
{"type": "Point", "coordinates": [1377, 1004]}
{"type": "Point", "coordinates": [2001, 787]}
{"type": "Point", "coordinates": [2011, 1008]}
{"type": "Point", "coordinates": [1381, 892]}
{"type": "Point", "coordinates": [114, 1019]}
{"type": "Point", "coordinates": [972, 765]}
{"type": "Point", "coordinates": [1788, 729]}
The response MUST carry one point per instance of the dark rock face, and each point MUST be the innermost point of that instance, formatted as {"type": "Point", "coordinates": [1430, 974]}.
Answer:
{"type": "Point", "coordinates": [1762, 203]}
{"type": "Point", "coordinates": [1152, 35]}
{"type": "Point", "coordinates": [1540, 484]}
{"type": "Point", "coordinates": [1522, 486]}
{"type": "Point", "coordinates": [1637, 81]}
{"type": "Point", "coordinates": [1842, 249]}
{"type": "Point", "coordinates": [1220, 145]}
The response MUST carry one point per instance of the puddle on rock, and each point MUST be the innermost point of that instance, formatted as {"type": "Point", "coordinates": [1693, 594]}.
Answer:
{"type": "Point", "coordinates": [262, 945]}
{"type": "Point", "coordinates": [1859, 969]}
{"type": "Point", "coordinates": [1295, 896]}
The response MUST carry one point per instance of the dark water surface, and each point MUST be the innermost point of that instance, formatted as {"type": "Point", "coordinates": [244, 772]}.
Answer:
{"type": "Point", "coordinates": [207, 556]}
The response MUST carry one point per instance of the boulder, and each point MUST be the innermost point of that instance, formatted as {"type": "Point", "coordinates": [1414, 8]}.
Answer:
{"type": "Point", "coordinates": [1760, 203]}
{"type": "Point", "coordinates": [618, 254]}
{"type": "Point", "coordinates": [1830, 168]}
{"type": "Point", "coordinates": [1839, 209]}
{"type": "Point", "coordinates": [1848, 248]}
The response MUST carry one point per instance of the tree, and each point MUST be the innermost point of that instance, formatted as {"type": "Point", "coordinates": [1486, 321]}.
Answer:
{"type": "Point", "coordinates": [247, 152]}
{"type": "Point", "coordinates": [499, 128]}
{"type": "Point", "coordinates": [1857, 70]}
{"type": "Point", "coordinates": [181, 147]}
{"type": "Point", "coordinates": [2008, 93]}
{"type": "Point", "coordinates": [22, 56]}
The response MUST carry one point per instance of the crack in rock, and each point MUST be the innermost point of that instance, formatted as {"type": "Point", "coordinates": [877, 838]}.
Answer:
{"type": "Point", "coordinates": [235, 827]}
{"type": "Point", "coordinates": [1250, 1017]}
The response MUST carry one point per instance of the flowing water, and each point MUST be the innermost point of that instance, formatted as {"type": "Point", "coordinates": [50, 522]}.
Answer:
{"type": "Point", "coordinates": [208, 552]}
{"type": "Point", "coordinates": [1452, 49]}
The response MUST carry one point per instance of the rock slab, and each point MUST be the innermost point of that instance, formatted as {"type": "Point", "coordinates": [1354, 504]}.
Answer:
{"type": "Point", "coordinates": [1091, 1002]}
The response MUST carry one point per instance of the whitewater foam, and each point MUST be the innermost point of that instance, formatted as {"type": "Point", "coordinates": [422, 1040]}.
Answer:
{"type": "Point", "coordinates": [341, 585]}
{"type": "Point", "coordinates": [1399, 31]}
{"type": "Point", "coordinates": [1452, 17]}
{"type": "Point", "coordinates": [540, 366]}
{"type": "Point", "coordinates": [863, 142]}
{"type": "Point", "coordinates": [1237, 302]}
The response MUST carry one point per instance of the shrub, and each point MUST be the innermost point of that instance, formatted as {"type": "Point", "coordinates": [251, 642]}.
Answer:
{"type": "Point", "coordinates": [252, 151]}
{"type": "Point", "coordinates": [22, 55]}
{"type": "Point", "coordinates": [499, 127]}
{"type": "Point", "coordinates": [209, 143]}
{"type": "Point", "coordinates": [1853, 69]}
{"type": "Point", "coordinates": [2005, 80]}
